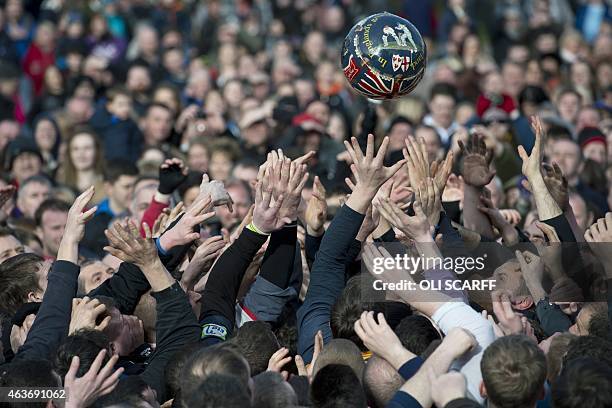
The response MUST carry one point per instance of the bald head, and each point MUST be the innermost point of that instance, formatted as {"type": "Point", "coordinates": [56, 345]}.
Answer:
{"type": "Point", "coordinates": [380, 381]}
{"type": "Point", "coordinates": [340, 351]}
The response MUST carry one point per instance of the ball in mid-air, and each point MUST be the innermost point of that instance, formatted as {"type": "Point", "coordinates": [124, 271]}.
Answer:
{"type": "Point", "coordinates": [383, 56]}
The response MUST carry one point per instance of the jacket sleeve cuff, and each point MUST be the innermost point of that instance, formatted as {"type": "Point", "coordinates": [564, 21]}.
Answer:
{"type": "Point", "coordinates": [404, 400]}
{"type": "Point", "coordinates": [410, 367]}
{"type": "Point", "coordinates": [169, 293]}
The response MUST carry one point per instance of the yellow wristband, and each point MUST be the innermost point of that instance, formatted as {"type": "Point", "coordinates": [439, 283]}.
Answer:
{"type": "Point", "coordinates": [256, 230]}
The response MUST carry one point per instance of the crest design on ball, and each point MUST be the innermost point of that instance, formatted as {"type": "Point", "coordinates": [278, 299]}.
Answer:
{"type": "Point", "coordinates": [384, 56]}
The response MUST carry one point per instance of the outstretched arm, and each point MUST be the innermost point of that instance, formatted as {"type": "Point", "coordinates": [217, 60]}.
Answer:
{"type": "Point", "coordinates": [53, 318]}
{"type": "Point", "coordinates": [545, 203]}
{"type": "Point", "coordinates": [176, 324]}
{"type": "Point", "coordinates": [327, 275]}
{"type": "Point", "coordinates": [477, 173]}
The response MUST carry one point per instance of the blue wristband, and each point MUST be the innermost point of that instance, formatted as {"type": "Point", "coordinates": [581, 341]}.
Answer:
{"type": "Point", "coordinates": [160, 249]}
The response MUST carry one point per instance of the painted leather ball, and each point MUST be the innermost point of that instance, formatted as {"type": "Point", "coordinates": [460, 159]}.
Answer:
{"type": "Point", "coordinates": [384, 56]}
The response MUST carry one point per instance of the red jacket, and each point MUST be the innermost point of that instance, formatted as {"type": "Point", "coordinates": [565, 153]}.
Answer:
{"type": "Point", "coordinates": [483, 103]}
{"type": "Point", "coordinates": [35, 63]}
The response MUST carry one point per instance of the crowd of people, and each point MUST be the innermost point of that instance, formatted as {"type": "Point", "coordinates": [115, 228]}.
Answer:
{"type": "Point", "coordinates": [193, 203]}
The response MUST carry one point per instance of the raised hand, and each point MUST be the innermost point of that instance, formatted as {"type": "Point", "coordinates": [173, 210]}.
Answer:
{"type": "Point", "coordinates": [184, 231]}
{"type": "Point", "coordinates": [172, 173]}
{"type": "Point", "coordinates": [380, 339]}
{"type": "Point", "coordinates": [428, 195]}
{"type": "Point", "coordinates": [557, 184]}
{"type": "Point", "coordinates": [545, 202]}
{"type": "Point", "coordinates": [299, 361]}
{"type": "Point", "coordinates": [126, 244]}
{"type": "Point", "coordinates": [278, 360]}
{"type": "Point", "coordinates": [509, 321]}
{"type": "Point", "coordinates": [98, 381]}
{"type": "Point", "coordinates": [78, 217]}
{"type": "Point", "coordinates": [369, 171]}
{"type": "Point", "coordinates": [476, 162]}
{"type": "Point", "coordinates": [497, 219]}
{"type": "Point", "coordinates": [532, 269]}
{"type": "Point", "coordinates": [511, 215]}
{"type": "Point", "coordinates": [416, 227]}
{"type": "Point", "coordinates": [532, 162]}
{"type": "Point", "coordinates": [415, 155]}
{"type": "Point", "coordinates": [440, 171]}
{"type": "Point", "coordinates": [75, 226]}
{"type": "Point", "coordinates": [85, 313]}
{"type": "Point", "coordinates": [292, 177]}
{"type": "Point", "coordinates": [316, 210]}
{"type": "Point", "coordinates": [266, 214]}
{"type": "Point", "coordinates": [454, 189]}
{"type": "Point", "coordinates": [550, 251]}
{"type": "Point", "coordinates": [202, 260]}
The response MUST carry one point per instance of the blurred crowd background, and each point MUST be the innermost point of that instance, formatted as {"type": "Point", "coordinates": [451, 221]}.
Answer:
{"type": "Point", "coordinates": [88, 86]}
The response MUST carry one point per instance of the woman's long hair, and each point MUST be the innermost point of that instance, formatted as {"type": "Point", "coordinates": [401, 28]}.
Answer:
{"type": "Point", "coordinates": [67, 173]}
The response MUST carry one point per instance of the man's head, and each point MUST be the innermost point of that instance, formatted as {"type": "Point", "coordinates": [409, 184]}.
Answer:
{"type": "Point", "coordinates": [589, 346]}
{"type": "Point", "coordinates": [86, 344]}
{"type": "Point", "coordinates": [138, 78]}
{"type": "Point", "coordinates": [566, 153]}
{"type": "Point", "coordinates": [336, 385]}
{"type": "Point", "coordinates": [272, 391]}
{"type": "Point", "coordinates": [340, 351]}
{"type": "Point", "coordinates": [513, 372]}
{"type": "Point", "coordinates": [588, 116]}
{"type": "Point", "coordinates": [23, 279]}
{"type": "Point", "coordinates": [593, 144]}
{"type": "Point", "coordinates": [125, 332]}
{"type": "Point", "coordinates": [218, 391]}
{"type": "Point", "coordinates": [119, 179]}
{"type": "Point", "coordinates": [132, 391]}
{"type": "Point", "coordinates": [320, 110]}
{"type": "Point", "coordinates": [28, 374]}
{"type": "Point", "coordinates": [254, 127]}
{"type": "Point", "coordinates": [257, 342]}
{"type": "Point", "coordinates": [223, 358]}
{"type": "Point", "coordinates": [157, 124]}
{"type": "Point", "coordinates": [224, 152]}
{"type": "Point", "coordinates": [399, 130]}
{"type": "Point", "coordinates": [119, 102]}
{"type": "Point", "coordinates": [442, 104]}
{"type": "Point", "coordinates": [433, 142]}
{"type": "Point", "coordinates": [509, 277]}
{"type": "Point", "coordinates": [144, 190]}
{"type": "Point", "coordinates": [9, 244]}
{"type": "Point", "coordinates": [568, 103]}
{"type": "Point", "coordinates": [24, 159]}
{"type": "Point", "coordinates": [350, 305]}
{"type": "Point", "coordinates": [557, 347]}
{"type": "Point", "coordinates": [583, 320]}
{"type": "Point", "coordinates": [51, 219]}
{"type": "Point", "coordinates": [32, 192]}
{"type": "Point", "coordinates": [584, 215]}
{"type": "Point", "coordinates": [241, 196]}
{"type": "Point", "coordinates": [416, 333]}
{"type": "Point", "coordinates": [380, 381]}
{"type": "Point", "coordinates": [584, 382]}
{"type": "Point", "coordinates": [93, 273]}
{"type": "Point", "coordinates": [246, 171]}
